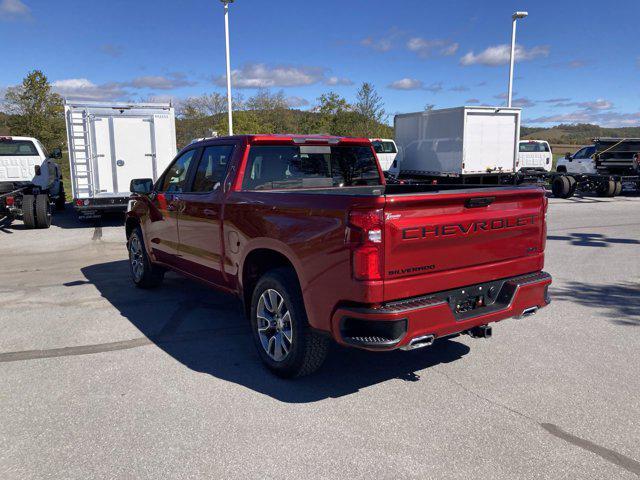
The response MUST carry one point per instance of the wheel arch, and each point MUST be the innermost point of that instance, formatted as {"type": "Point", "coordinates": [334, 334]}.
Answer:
{"type": "Point", "coordinates": [256, 263]}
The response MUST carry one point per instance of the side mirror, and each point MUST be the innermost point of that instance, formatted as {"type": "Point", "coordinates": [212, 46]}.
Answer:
{"type": "Point", "coordinates": [568, 156]}
{"type": "Point", "coordinates": [56, 153]}
{"type": "Point", "coordinates": [143, 186]}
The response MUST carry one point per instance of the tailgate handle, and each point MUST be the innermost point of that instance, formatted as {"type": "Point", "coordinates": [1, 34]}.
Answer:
{"type": "Point", "coordinates": [478, 202]}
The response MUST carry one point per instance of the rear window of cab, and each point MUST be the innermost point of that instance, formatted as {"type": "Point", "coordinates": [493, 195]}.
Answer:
{"type": "Point", "coordinates": [17, 148]}
{"type": "Point", "coordinates": [534, 147]}
{"type": "Point", "coordinates": [306, 166]}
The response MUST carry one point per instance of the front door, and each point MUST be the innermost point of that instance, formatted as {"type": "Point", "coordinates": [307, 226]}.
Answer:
{"type": "Point", "coordinates": [161, 228]}
{"type": "Point", "coordinates": [201, 247]}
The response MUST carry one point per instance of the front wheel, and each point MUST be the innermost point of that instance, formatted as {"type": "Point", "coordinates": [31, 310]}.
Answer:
{"type": "Point", "coordinates": [284, 340]}
{"type": "Point", "coordinates": [143, 273]}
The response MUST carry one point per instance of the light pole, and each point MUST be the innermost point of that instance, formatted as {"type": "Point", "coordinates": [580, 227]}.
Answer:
{"type": "Point", "coordinates": [515, 17]}
{"type": "Point", "coordinates": [226, 37]}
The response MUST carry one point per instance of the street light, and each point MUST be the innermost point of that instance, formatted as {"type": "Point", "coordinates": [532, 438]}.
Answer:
{"type": "Point", "coordinates": [226, 37]}
{"type": "Point", "coordinates": [515, 17]}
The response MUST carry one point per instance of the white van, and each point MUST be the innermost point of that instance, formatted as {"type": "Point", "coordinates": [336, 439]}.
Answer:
{"type": "Point", "coordinates": [534, 155]}
{"type": "Point", "coordinates": [386, 151]}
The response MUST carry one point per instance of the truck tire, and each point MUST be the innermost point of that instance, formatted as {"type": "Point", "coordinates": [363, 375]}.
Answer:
{"type": "Point", "coordinates": [606, 189]}
{"type": "Point", "coordinates": [618, 190]}
{"type": "Point", "coordinates": [43, 211]}
{"type": "Point", "coordinates": [561, 186]}
{"type": "Point", "coordinates": [143, 273]}
{"type": "Point", "coordinates": [29, 211]}
{"type": "Point", "coordinates": [285, 342]}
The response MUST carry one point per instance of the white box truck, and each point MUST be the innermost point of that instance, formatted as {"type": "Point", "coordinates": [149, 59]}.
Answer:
{"type": "Point", "coordinates": [112, 143]}
{"type": "Point", "coordinates": [471, 142]}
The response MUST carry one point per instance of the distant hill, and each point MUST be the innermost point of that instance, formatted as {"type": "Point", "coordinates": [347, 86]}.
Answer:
{"type": "Point", "coordinates": [579, 134]}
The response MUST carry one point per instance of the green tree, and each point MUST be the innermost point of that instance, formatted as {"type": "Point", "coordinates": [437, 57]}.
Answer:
{"type": "Point", "coordinates": [370, 107]}
{"type": "Point", "coordinates": [36, 111]}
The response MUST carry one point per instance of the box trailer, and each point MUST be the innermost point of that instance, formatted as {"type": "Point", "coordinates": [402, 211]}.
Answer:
{"type": "Point", "coordinates": [112, 143]}
{"type": "Point", "coordinates": [457, 142]}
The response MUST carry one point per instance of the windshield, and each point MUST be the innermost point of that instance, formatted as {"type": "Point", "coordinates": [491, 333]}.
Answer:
{"type": "Point", "coordinates": [534, 147]}
{"type": "Point", "coordinates": [12, 148]}
{"type": "Point", "coordinates": [384, 147]}
{"type": "Point", "coordinates": [286, 167]}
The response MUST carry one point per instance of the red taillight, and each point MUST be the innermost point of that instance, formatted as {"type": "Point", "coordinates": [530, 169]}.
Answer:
{"type": "Point", "coordinates": [10, 201]}
{"type": "Point", "coordinates": [364, 236]}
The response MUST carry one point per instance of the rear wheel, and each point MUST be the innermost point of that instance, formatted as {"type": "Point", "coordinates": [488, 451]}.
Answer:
{"type": "Point", "coordinates": [285, 342]}
{"type": "Point", "coordinates": [29, 211]}
{"type": "Point", "coordinates": [43, 211]}
{"type": "Point", "coordinates": [561, 186]}
{"type": "Point", "coordinates": [606, 189]}
{"type": "Point", "coordinates": [618, 190]}
{"type": "Point", "coordinates": [143, 273]}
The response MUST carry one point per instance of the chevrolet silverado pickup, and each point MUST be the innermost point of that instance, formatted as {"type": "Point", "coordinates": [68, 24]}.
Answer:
{"type": "Point", "coordinates": [305, 230]}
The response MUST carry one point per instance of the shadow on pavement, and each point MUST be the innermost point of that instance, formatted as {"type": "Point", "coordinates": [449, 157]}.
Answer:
{"type": "Point", "coordinates": [206, 331]}
{"type": "Point", "coordinates": [622, 299]}
{"type": "Point", "coordinates": [592, 239]}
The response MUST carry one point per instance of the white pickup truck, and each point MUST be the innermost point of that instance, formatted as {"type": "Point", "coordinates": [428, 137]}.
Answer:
{"type": "Point", "coordinates": [30, 181]}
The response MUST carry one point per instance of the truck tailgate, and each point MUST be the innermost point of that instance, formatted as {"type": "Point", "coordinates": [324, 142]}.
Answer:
{"type": "Point", "coordinates": [434, 242]}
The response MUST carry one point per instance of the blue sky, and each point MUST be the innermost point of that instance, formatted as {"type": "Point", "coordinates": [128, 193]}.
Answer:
{"type": "Point", "coordinates": [579, 61]}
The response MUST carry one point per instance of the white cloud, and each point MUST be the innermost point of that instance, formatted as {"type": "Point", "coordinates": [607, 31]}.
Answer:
{"type": "Point", "coordinates": [435, 87]}
{"type": "Point", "coordinates": [472, 101]}
{"type": "Point", "coordinates": [604, 119]}
{"type": "Point", "coordinates": [379, 44]}
{"type": "Point", "coordinates": [415, 84]}
{"type": "Point", "coordinates": [600, 112]}
{"type": "Point", "coordinates": [14, 9]}
{"type": "Point", "coordinates": [260, 75]}
{"type": "Point", "coordinates": [523, 102]}
{"type": "Point", "coordinates": [407, 84]}
{"type": "Point", "coordinates": [112, 50]}
{"type": "Point", "coordinates": [338, 81]}
{"type": "Point", "coordinates": [424, 47]}
{"type": "Point", "coordinates": [84, 89]}
{"type": "Point", "coordinates": [459, 88]}
{"type": "Point", "coordinates": [599, 104]}
{"type": "Point", "coordinates": [499, 55]}
{"type": "Point", "coordinates": [161, 82]}
{"type": "Point", "coordinates": [295, 102]}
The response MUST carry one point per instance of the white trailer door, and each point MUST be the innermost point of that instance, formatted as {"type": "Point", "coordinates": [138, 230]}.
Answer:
{"type": "Point", "coordinates": [102, 161]}
{"type": "Point", "coordinates": [133, 155]}
{"type": "Point", "coordinates": [490, 141]}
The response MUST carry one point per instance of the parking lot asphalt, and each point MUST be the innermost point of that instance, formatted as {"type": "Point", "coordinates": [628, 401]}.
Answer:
{"type": "Point", "coordinates": [101, 380]}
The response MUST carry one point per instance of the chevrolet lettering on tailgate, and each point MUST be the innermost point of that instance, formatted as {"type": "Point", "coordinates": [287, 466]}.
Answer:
{"type": "Point", "coordinates": [465, 229]}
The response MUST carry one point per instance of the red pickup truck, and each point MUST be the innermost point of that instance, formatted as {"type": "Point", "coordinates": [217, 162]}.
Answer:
{"type": "Point", "coordinates": [305, 230]}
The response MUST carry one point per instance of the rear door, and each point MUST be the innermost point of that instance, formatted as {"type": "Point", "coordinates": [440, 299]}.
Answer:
{"type": "Point", "coordinates": [444, 240]}
{"type": "Point", "coordinates": [490, 141]}
{"type": "Point", "coordinates": [133, 152]}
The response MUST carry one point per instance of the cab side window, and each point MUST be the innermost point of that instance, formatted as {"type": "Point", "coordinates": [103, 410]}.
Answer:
{"type": "Point", "coordinates": [175, 178]}
{"type": "Point", "coordinates": [580, 154]}
{"type": "Point", "coordinates": [212, 168]}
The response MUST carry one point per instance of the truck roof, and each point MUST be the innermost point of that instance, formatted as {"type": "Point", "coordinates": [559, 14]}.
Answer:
{"type": "Point", "coordinates": [13, 137]}
{"type": "Point", "coordinates": [295, 139]}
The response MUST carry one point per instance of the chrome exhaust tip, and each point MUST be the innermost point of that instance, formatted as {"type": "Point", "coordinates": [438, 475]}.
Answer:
{"type": "Point", "coordinates": [527, 312]}
{"type": "Point", "coordinates": [419, 342]}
